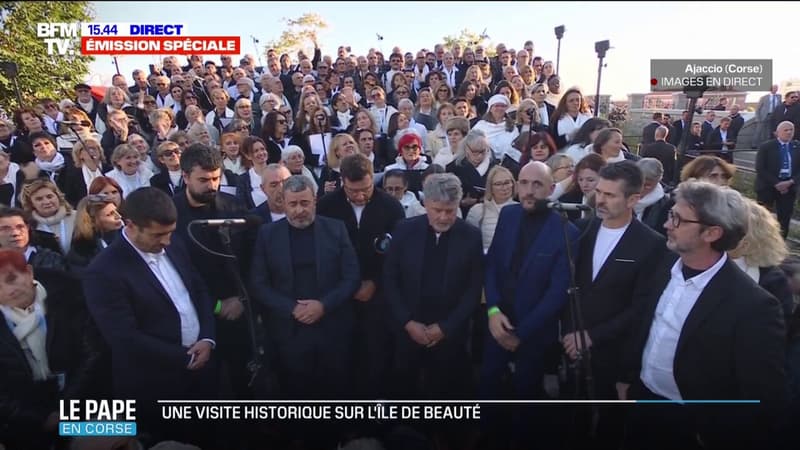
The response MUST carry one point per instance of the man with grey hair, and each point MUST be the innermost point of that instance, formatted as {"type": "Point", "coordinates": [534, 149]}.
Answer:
{"type": "Point", "coordinates": [433, 274]}
{"type": "Point", "coordinates": [708, 331]}
{"type": "Point", "coordinates": [663, 151]}
{"type": "Point", "coordinates": [527, 278]}
{"type": "Point", "coordinates": [652, 208]}
{"type": "Point", "coordinates": [304, 273]}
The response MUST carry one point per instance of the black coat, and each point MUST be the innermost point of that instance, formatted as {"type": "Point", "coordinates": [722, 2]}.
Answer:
{"type": "Point", "coordinates": [606, 301]}
{"type": "Point", "coordinates": [72, 349]}
{"type": "Point", "coordinates": [731, 346]}
{"type": "Point", "coordinates": [655, 215]}
{"type": "Point", "coordinates": [73, 185]}
{"type": "Point", "coordinates": [663, 152]}
{"type": "Point", "coordinates": [163, 182]}
{"type": "Point", "coordinates": [649, 133]}
{"type": "Point", "coordinates": [379, 217]}
{"type": "Point", "coordinates": [472, 183]}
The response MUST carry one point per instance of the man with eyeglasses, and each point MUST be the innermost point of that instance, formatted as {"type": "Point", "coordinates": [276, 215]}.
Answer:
{"type": "Point", "coordinates": [615, 258]}
{"type": "Point", "coordinates": [370, 216]}
{"type": "Point", "coordinates": [706, 332]}
{"type": "Point", "coordinates": [778, 174]}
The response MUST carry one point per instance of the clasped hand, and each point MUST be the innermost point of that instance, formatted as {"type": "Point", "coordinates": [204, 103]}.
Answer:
{"type": "Point", "coordinates": [308, 311]}
{"type": "Point", "coordinates": [426, 335]}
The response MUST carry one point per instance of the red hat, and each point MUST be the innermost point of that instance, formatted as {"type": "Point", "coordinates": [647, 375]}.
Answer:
{"type": "Point", "coordinates": [409, 138]}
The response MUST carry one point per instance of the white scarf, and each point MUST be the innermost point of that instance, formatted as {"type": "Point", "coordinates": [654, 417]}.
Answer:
{"type": "Point", "coordinates": [90, 175]}
{"type": "Point", "coordinates": [648, 200]}
{"type": "Point", "coordinates": [88, 107]}
{"type": "Point", "coordinates": [483, 167]}
{"type": "Point", "coordinates": [30, 329]}
{"type": "Point", "coordinates": [234, 165]}
{"type": "Point", "coordinates": [52, 166]}
{"type": "Point", "coordinates": [11, 178]}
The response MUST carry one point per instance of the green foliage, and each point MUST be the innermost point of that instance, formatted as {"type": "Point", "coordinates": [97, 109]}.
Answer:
{"type": "Point", "coordinates": [40, 75]}
{"type": "Point", "coordinates": [465, 37]}
{"type": "Point", "coordinates": [298, 34]}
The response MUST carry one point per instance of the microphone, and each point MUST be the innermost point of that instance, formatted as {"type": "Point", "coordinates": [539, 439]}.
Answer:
{"type": "Point", "coordinates": [83, 123]}
{"type": "Point", "coordinates": [249, 221]}
{"type": "Point", "coordinates": [558, 206]}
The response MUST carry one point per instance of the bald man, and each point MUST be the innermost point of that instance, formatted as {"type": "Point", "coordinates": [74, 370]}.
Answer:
{"type": "Point", "coordinates": [527, 277]}
{"type": "Point", "coordinates": [778, 174]}
{"type": "Point", "coordinates": [663, 151]}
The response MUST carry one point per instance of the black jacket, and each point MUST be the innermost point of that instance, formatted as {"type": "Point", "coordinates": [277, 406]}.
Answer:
{"type": "Point", "coordinates": [163, 182]}
{"type": "Point", "coordinates": [655, 215]}
{"type": "Point", "coordinates": [663, 152]}
{"type": "Point", "coordinates": [379, 217]}
{"type": "Point", "coordinates": [73, 185]}
{"type": "Point", "coordinates": [473, 184]}
{"type": "Point", "coordinates": [73, 349]}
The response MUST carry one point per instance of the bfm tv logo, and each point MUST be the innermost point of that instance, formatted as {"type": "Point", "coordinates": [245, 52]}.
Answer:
{"type": "Point", "coordinates": [97, 418]}
{"type": "Point", "coordinates": [59, 37]}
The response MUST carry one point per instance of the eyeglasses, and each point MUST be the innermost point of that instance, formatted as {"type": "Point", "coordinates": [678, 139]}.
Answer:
{"type": "Point", "coordinates": [480, 151]}
{"type": "Point", "coordinates": [98, 198]}
{"type": "Point", "coordinates": [150, 102]}
{"type": "Point", "coordinates": [171, 153]}
{"type": "Point", "coordinates": [677, 220]}
{"type": "Point", "coordinates": [411, 147]}
{"type": "Point", "coordinates": [503, 183]}
{"type": "Point", "coordinates": [569, 167]}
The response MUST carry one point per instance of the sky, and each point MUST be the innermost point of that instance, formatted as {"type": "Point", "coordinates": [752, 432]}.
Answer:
{"type": "Point", "coordinates": [638, 32]}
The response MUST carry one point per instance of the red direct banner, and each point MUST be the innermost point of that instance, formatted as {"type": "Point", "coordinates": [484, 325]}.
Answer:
{"type": "Point", "coordinates": [160, 45]}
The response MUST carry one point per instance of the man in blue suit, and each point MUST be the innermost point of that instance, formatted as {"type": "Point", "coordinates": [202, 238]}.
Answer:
{"type": "Point", "coordinates": [154, 312]}
{"type": "Point", "coordinates": [527, 277]}
{"type": "Point", "coordinates": [305, 273]}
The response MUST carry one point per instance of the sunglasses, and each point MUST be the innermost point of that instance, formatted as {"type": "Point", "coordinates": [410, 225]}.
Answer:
{"type": "Point", "coordinates": [171, 153]}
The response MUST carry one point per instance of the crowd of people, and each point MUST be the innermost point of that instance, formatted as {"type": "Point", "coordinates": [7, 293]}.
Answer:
{"type": "Point", "coordinates": [399, 242]}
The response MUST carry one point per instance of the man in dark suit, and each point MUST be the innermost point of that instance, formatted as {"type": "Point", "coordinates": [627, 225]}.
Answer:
{"type": "Point", "coordinates": [201, 168]}
{"type": "Point", "coordinates": [433, 277]}
{"type": "Point", "coordinates": [305, 273]}
{"type": "Point", "coordinates": [527, 277]}
{"type": "Point", "coordinates": [737, 122]}
{"type": "Point", "coordinates": [615, 258]}
{"type": "Point", "coordinates": [708, 126]}
{"type": "Point", "coordinates": [788, 110]}
{"type": "Point", "coordinates": [678, 126]}
{"type": "Point", "coordinates": [649, 131]}
{"type": "Point", "coordinates": [778, 174]}
{"type": "Point", "coordinates": [370, 216]}
{"type": "Point", "coordinates": [48, 351]}
{"type": "Point", "coordinates": [154, 311]}
{"type": "Point", "coordinates": [721, 139]}
{"type": "Point", "coordinates": [272, 178]}
{"type": "Point", "coordinates": [662, 151]}
{"type": "Point", "coordinates": [707, 332]}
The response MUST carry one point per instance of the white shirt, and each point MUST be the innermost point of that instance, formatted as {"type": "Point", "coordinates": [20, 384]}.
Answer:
{"type": "Point", "coordinates": [673, 308]}
{"type": "Point", "coordinates": [171, 281]}
{"type": "Point", "coordinates": [606, 242]}
{"type": "Point", "coordinates": [256, 193]}
{"type": "Point", "coordinates": [358, 210]}
{"type": "Point", "coordinates": [276, 216]}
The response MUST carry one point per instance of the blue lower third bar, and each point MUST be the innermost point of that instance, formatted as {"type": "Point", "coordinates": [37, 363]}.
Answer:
{"type": "Point", "coordinates": [97, 429]}
{"type": "Point", "coordinates": [702, 402]}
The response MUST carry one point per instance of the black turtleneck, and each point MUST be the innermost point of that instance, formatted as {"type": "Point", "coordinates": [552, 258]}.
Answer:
{"type": "Point", "coordinates": [531, 224]}
{"type": "Point", "coordinates": [304, 266]}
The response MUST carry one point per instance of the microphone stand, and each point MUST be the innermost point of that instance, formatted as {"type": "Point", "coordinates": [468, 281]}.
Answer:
{"type": "Point", "coordinates": [254, 365]}
{"type": "Point", "coordinates": [583, 362]}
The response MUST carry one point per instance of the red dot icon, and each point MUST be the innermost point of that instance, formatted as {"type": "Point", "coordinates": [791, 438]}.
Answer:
{"type": "Point", "coordinates": [653, 81]}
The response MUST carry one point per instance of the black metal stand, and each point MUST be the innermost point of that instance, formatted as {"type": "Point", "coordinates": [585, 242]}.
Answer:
{"type": "Point", "coordinates": [254, 365]}
{"type": "Point", "coordinates": [559, 34]}
{"type": "Point", "coordinates": [597, 92]}
{"type": "Point", "coordinates": [684, 143]}
{"type": "Point", "coordinates": [583, 362]}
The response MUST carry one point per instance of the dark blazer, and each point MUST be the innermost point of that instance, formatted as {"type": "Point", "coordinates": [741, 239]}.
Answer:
{"type": "Point", "coordinates": [462, 277]}
{"type": "Point", "coordinates": [337, 278]}
{"type": "Point", "coordinates": [544, 276]}
{"type": "Point", "coordinates": [705, 129]}
{"type": "Point", "coordinates": [649, 133]}
{"type": "Point", "coordinates": [676, 133]}
{"type": "Point", "coordinates": [655, 215]}
{"type": "Point", "coordinates": [25, 404]}
{"type": "Point", "coordinates": [730, 347]}
{"type": "Point", "coordinates": [162, 181]}
{"type": "Point", "coordinates": [664, 152]}
{"type": "Point", "coordinates": [137, 318]}
{"type": "Point", "coordinates": [73, 185]}
{"type": "Point", "coordinates": [606, 301]}
{"type": "Point", "coordinates": [769, 162]}
{"type": "Point", "coordinates": [379, 217]}
{"type": "Point", "coordinates": [737, 122]}
{"type": "Point", "coordinates": [473, 184]}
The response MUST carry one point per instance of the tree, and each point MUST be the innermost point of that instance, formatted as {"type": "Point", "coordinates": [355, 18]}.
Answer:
{"type": "Point", "coordinates": [298, 33]}
{"type": "Point", "coordinates": [466, 38]}
{"type": "Point", "coordinates": [40, 75]}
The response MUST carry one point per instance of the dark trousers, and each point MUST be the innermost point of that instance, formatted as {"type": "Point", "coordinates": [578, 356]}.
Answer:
{"type": "Point", "coordinates": [234, 351]}
{"type": "Point", "coordinates": [783, 205]}
{"type": "Point", "coordinates": [314, 365]}
{"type": "Point", "coordinates": [439, 372]}
{"type": "Point", "coordinates": [372, 349]}
{"type": "Point", "coordinates": [658, 426]}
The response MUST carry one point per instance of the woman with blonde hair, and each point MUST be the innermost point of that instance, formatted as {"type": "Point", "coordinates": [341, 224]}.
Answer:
{"type": "Point", "coordinates": [761, 252]}
{"type": "Point", "coordinates": [329, 179]}
{"type": "Point", "coordinates": [97, 223]}
{"type": "Point", "coordinates": [69, 135]}
{"type": "Point", "coordinates": [500, 190]}
{"type": "Point", "coordinates": [48, 206]}
{"type": "Point", "coordinates": [437, 139]}
{"type": "Point", "coordinates": [709, 168]}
